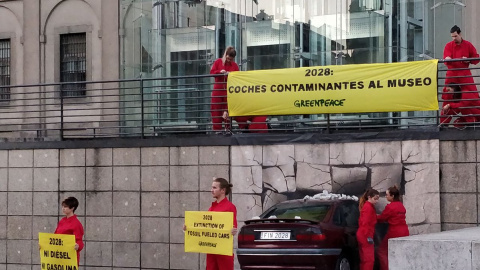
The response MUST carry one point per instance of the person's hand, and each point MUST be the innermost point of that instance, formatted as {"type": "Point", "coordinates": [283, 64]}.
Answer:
{"type": "Point", "coordinates": [446, 108]}
{"type": "Point", "coordinates": [223, 71]}
{"type": "Point", "coordinates": [234, 231]}
{"type": "Point", "coordinates": [447, 58]}
{"type": "Point", "coordinates": [466, 62]}
{"type": "Point", "coordinates": [370, 240]}
{"type": "Point", "coordinates": [225, 115]}
{"type": "Point", "coordinates": [76, 246]}
{"type": "Point", "coordinates": [184, 228]}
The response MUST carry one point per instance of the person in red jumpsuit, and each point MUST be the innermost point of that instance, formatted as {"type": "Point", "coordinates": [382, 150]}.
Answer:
{"type": "Point", "coordinates": [220, 189]}
{"type": "Point", "coordinates": [218, 107]}
{"type": "Point", "coordinates": [459, 48]}
{"type": "Point", "coordinates": [394, 213]}
{"type": "Point", "coordinates": [366, 228]}
{"type": "Point", "coordinates": [258, 124]}
{"type": "Point", "coordinates": [459, 103]}
{"type": "Point", "coordinates": [70, 224]}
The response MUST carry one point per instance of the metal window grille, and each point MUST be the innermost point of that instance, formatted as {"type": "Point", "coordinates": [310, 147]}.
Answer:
{"type": "Point", "coordinates": [73, 58]}
{"type": "Point", "coordinates": [4, 69]}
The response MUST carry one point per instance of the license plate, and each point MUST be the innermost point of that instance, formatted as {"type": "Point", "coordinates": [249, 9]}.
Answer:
{"type": "Point", "coordinates": [275, 235]}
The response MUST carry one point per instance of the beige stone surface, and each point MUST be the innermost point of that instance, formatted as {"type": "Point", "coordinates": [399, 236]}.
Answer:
{"type": "Point", "coordinates": [276, 155]}
{"type": "Point", "coordinates": [383, 152]}
{"type": "Point", "coordinates": [313, 177]}
{"type": "Point", "coordinates": [312, 153]}
{"type": "Point", "coordinates": [347, 153]}
{"type": "Point", "coordinates": [349, 180]}
{"type": "Point", "coordinates": [248, 206]}
{"type": "Point", "coordinates": [385, 176]}
{"type": "Point", "coordinates": [458, 151]}
{"type": "Point", "coordinates": [279, 178]}
{"type": "Point", "coordinates": [246, 155]}
{"type": "Point", "coordinates": [184, 155]}
{"type": "Point", "coordinates": [459, 177]}
{"type": "Point", "coordinates": [420, 151]}
{"type": "Point", "coordinates": [247, 179]}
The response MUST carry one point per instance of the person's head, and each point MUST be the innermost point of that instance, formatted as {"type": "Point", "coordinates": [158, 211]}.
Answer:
{"type": "Point", "coordinates": [69, 205]}
{"type": "Point", "coordinates": [371, 196]}
{"type": "Point", "coordinates": [454, 89]}
{"type": "Point", "coordinates": [392, 194]}
{"type": "Point", "coordinates": [220, 188]}
{"type": "Point", "coordinates": [456, 35]}
{"type": "Point", "coordinates": [229, 54]}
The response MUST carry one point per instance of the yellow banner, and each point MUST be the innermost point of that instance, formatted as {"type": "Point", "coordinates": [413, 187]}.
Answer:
{"type": "Point", "coordinates": [392, 87]}
{"type": "Point", "coordinates": [209, 232]}
{"type": "Point", "coordinates": [57, 251]}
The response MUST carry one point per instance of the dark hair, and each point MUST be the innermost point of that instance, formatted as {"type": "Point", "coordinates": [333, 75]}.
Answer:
{"type": "Point", "coordinates": [224, 185]}
{"type": "Point", "coordinates": [71, 202]}
{"type": "Point", "coordinates": [393, 191]}
{"type": "Point", "coordinates": [369, 193]}
{"type": "Point", "coordinates": [455, 29]}
{"type": "Point", "coordinates": [230, 51]}
{"type": "Point", "coordinates": [457, 90]}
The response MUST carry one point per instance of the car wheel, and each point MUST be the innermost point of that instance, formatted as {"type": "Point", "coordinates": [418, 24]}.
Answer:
{"type": "Point", "coordinates": [343, 263]}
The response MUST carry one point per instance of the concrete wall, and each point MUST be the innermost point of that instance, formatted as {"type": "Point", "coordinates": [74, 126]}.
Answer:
{"type": "Point", "coordinates": [458, 249]}
{"type": "Point", "coordinates": [459, 186]}
{"type": "Point", "coordinates": [132, 200]}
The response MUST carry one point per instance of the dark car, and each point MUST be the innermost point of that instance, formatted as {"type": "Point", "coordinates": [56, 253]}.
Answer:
{"type": "Point", "coordinates": [302, 234]}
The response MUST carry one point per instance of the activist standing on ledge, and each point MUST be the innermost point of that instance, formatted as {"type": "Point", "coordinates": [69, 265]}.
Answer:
{"type": "Point", "coordinates": [218, 106]}
{"type": "Point", "coordinates": [70, 224]}
{"type": "Point", "coordinates": [395, 214]}
{"type": "Point", "coordinates": [459, 48]}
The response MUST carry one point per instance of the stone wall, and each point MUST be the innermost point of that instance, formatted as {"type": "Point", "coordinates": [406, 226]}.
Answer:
{"type": "Point", "coordinates": [459, 184]}
{"type": "Point", "coordinates": [133, 199]}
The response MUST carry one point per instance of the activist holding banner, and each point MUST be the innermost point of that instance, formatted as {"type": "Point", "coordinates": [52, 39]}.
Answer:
{"type": "Point", "coordinates": [459, 48]}
{"type": "Point", "coordinates": [70, 224]}
{"type": "Point", "coordinates": [218, 106]}
{"type": "Point", "coordinates": [220, 189]}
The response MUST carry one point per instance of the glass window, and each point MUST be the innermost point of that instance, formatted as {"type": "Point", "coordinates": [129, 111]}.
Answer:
{"type": "Point", "coordinates": [314, 213]}
{"type": "Point", "coordinates": [73, 55]}
{"type": "Point", "coordinates": [4, 69]}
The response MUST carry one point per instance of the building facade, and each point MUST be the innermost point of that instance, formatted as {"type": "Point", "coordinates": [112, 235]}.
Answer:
{"type": "Point", "coordinates": [46, 41]}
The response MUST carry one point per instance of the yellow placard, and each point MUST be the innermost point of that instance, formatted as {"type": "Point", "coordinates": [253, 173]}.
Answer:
{"type": "Point", "coordinates": [392, 87]}
{"type": "Point", "coordinates": [57, 251]}
{"type": "Point", "coordinates": [209, 232]}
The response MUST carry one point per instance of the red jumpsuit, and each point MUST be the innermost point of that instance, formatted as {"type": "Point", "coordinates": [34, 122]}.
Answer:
{"type": "Point", "coordinates": [366, 229]}
{"type": "Point", "coordinates": [73, 226]}
{"type": "Point", "coordinates": [215, 261]}
{"type": "Point", "coordinates": [219, 93]}
{"type": "Point", "coordinates": [454, 51]}
{"type": "Point", "coordinates": [394, 213]}
{"type": "Point", "coordinates": [257, 124]}
{"type": "Point", "coordinates": [460, 108]}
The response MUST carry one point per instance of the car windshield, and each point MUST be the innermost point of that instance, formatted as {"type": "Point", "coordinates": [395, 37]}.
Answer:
{"type": "Point", "coordinates": [314, 213]}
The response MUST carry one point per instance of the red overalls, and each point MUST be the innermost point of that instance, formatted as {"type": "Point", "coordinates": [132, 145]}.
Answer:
{"type": "Point", "coordinates": [215, 261]}
{"type": "Point", "coordinates": [366, 229]}
{"type": "Point", "coordinates": [258, 124]}
{"type": "Point", "coordinates": [462, 108]}
{"type": "Point", "coordinates": [394, 213]}
{"type": "Point", "coordinates": [73, 226]}
{"type": "Point", "coordinates": [219, 93]}
{"type": "Point", "coordinates": [454, 51]}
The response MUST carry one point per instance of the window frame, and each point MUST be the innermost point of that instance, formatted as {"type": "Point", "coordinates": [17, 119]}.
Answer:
{"type": "Point", "coordinates": [87, 29]}
{"type": "Point", "coordinates": [78, 59]}
{"type": "Point", "coordinates": [6, 97]}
